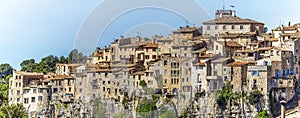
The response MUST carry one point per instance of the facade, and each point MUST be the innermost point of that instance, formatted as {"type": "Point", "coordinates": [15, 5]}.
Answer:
{"type": "Point", "coordinates": [230, 23]}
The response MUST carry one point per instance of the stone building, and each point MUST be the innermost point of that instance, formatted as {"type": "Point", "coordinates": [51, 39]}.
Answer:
{"type": "Point", "coordinates": [227, 21]}
{"type": "Point", "coordinates": [217, 78]}
{"type": "Point", "coordinates": [17, 84]}
{"type": "Point", "coordinates": [238, 75]}
{"type": "Point", "coordinates": [226, 48]}
{"type": "Point", "coordinates": [63, 88]}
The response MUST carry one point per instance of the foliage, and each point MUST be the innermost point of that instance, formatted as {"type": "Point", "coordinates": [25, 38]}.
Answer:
{"type": "Point", "coordinates": [224, 95]}
{"type": "Point", "coordinates": [13, 111]}
{"type": "Point", "coordinates": [119, 115]}
{"type": "Point", "coordinates": [167, 100]}
{"type": "Point", "coordinates": [58, 106]}
{"type": "Point", "coordinates": [76, 57]}
{"type": "Point", "coordinates": [254, 97]}
{"type": "Point", "coordinates": [197, 95]}
{"type": "Point", "coordinates": [4, 91]}
{"type": "Point", "coordinates": [167, 114]}
{"type": "Point", "coordinates": [28, 65]}
{"type": "Point", "coordinates": [237, 95]}
{"type": "Point", "coordinates": [5, 70]}
{"type": "Point", "coordinates": [65, 106]}
{"type": "Point", "coordinates": [184, 114]}
{"type": "Point", "coordinates": [147, 105]}
{"type": "Point", "coordinates": [143, 83]}
{"type": "Point", "coordinates": [262, 114]}
{"type": "Point", "coordinates": [48, 63]}
{"type": "Point", "coordinates": [98, 109]}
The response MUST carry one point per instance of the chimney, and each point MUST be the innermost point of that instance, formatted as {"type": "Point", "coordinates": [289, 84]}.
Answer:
{"type": "Point", "coordinates": [283, 103]}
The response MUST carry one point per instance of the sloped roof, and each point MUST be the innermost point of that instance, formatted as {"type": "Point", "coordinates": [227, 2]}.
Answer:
{"type": "Point", "coordinates": [232, 20]}
{"type": "Point", "coordinates": [236, 64]}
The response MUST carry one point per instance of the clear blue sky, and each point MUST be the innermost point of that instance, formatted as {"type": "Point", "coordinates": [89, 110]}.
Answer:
{"type": "Point", "coordinates": [37, 28]}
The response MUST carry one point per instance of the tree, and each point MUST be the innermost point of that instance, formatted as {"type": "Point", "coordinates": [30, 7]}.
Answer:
{"type": "Point", "coordinates": [99, 110]}
{"type": "Point", "coordinates": [143, 83]}
{"type": "Point", "coordinates": [5, 70]}
{"type": "Point", "coordinates": [13, 111]}
{"type": "Point", "coordinates": [225, 96]}
{"type": "Point", "coordinates": [63, 59]}
{"type": "Point", "coordinates": [167, 114]}
{"type": "Point", "coordinates": [28, 65]}
{"type": "Point", "coordinates": [254, 97]}
{"type": "Point", "coordinates": [76, 57]}
{"type": "Point", "coordinates": [262, 114]}
{"type": "Point", "coordinates": [47, 64]}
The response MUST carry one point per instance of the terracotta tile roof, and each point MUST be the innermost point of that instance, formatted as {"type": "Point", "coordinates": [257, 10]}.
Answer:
{"type": "Point", "coordinates": [223, 59]}
{"type": "Point", "coordinates": [29, 73]}
{"type": "Point", "coordinates": [185, 30]}
{"type": "Point", "coordinates": [199, 64]}
{"type": "Point", "coordinates": [246, 51]}
{"type": "Point", "coordinates": [207, 55]}
{"type": "Point", "coordinates": [277, 48]}
{"type": "Point", "coordinates": [134, 45]}
{"type": "Point", "coordinates": [296, 35]}
{"type": "Point", "coordinates": [200, 50]}
{"type": "Point", "coordinates": [271, 39]}
{"type": "Point", "coordinates": [98, 55]}
{"type": "Point", "coordinates": [61, 77]}
{"type": "Point", "coordinates": [231, 20]}
{"type": "Point", "coordinates": [236, 64]}
{"type": "Point", "coordinates": [286, 28]}
{"type": "Point", "coordinates": [230, 43]}
{"type": "Point", "coordinates": [286, 34]}
{"type": "Point", "coordinates": [139, 73]}
{"type": "Point", "coordinates": [151, 45]}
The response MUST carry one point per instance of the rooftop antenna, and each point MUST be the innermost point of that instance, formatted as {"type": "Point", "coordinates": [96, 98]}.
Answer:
{"type": "Point", "coordinates": [223, 5]}
{"type": "Point", "coordinates": [187, 23]}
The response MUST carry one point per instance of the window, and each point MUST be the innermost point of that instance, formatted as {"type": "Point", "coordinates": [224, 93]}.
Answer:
{"type": "Point", "coordinates": [146, 56]}
{"type": "Point", "coordinates": [70, 89]}
{"type": "Point", "coordinates": [255, 73]}
{"type": "Point", "coordinates": [225, 78]}
{"type": "Point", "coordinates": [254, 83]}
{"type": "Point", "coordinates": [80, 90]}
{"type": "Point", "coordinates": [40, 98]}
{"type": "Point", "coordinates": [185, 54]}
{"type": "Point", "coordinates": [232, 26]}
{"type": "Point", "coordinates": [25, 100]}
{"type": "Point", "coordinates": [208, 27]}
{"type": "Point", "coordinates": [40, 90]}
{"type": "Point", "coordinates": [80, 83]}
{"type": "Point", "coordinates": [18, 92]}
{"type": "Point", "coordinates": [280, 82]}
{"type": "Point", "coordinates": [32, 99]}
{"type": "Point", "coordinates": [94, 87]}
{"type": "Point", "coordinates": [216, 47]}
{"type": "Point", "coordinates": [241, 27]}
{"type": "Point", "coordinates": [224, 26]}
{"type": "Point", "coordinates": [216, 27]}
{"type": "Point", "coordinates": [185, 48]}
{"type": "Point", "coordinates": [34, 90]}
{"type": "Point", "coordinates": [199, 67]}
{"type": "Point", "coordinates": [153, 56]}
{"type": "Point", "coordinates": [54, 90]}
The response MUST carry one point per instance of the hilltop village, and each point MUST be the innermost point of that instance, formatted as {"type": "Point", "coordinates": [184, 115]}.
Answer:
{"type": "Point", "coordinates": [229, 67]}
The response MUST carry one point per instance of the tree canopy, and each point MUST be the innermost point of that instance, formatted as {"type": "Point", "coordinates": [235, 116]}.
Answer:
{"type": "Point", "coordinates": [48, 63]}
{"type": "Point", "coordinates": [5, 70]}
